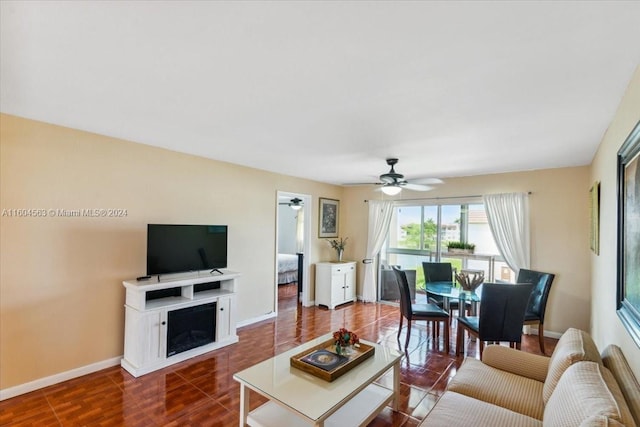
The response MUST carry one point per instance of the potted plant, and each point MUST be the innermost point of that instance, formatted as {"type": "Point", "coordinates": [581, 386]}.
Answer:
{"type": "Point", "coordinates": [460, 247]}
{"type": "Point", "coordinates": [344, 340]}
{"type": "Point", "coordinates": [338, 245]}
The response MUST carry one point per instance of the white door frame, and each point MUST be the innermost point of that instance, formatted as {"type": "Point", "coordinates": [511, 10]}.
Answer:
{"type": "Point", "coordinates": [306, 248]}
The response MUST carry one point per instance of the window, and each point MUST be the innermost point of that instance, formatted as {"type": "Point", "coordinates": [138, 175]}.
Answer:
{"type": "Point", "coordinates": [420, 233]}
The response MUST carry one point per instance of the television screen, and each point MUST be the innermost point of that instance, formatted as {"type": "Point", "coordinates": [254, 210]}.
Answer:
{"type": "Point", "coordinates": [173, 248]}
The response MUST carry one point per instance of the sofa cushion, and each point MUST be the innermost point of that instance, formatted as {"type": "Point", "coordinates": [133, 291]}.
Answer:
{"type": "Point", "coordinates": [585, 390]}
{"type": "Point", "coordinates": [614, 360]}
{"type": "Point", "coordinates": [517, 362]}
{"type": "Point", "coordinates": [574, 346]}
{"type": "Point", "coordinates": [514, 392]}
{"type": "Point", "coordinates": [455, 410]}
{"type": "Point", "coordinates": [600, 421]}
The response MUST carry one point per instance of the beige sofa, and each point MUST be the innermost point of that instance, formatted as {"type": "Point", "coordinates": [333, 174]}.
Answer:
{"type": "Point", "coordinates": [576, 386]}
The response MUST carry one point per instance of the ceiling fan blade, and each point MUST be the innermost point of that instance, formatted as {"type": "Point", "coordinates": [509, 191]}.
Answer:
{"type": "Point", "coordinates": [293, 202]}
{"type": "Point", "coordinates": [395, 179]}
{"type": "Point", "coordinates": [427, 181]}
{"type": "Point", "coordinates": [417, 187]}
{"type": "Point", "coordinates": [360, 183]}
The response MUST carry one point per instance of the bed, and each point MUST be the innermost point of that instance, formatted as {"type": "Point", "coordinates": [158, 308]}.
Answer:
{"type": "Point", "coordinates": [287, 268]}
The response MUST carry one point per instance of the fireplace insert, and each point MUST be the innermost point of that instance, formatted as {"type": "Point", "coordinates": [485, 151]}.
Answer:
{"type": "Point", "coordinates": [190, 327]}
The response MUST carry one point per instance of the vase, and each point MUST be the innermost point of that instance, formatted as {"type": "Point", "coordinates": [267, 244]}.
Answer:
{"type": "Point", "coordinates": [344, 350]}
{"type": "Point", "coordinates": [340, 252]}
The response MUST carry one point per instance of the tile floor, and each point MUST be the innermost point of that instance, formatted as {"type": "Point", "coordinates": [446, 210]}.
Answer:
{"type": "Point", "coordinates": [201, 391]}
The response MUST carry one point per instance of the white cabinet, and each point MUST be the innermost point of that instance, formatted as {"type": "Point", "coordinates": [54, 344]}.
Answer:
{"type": "Point", "coordinates": [152, 304]}
{"type": "Point", "coordinates": [151, 326]}
{"type": "Point", "coordinates": [225, 318]}
{"type": "Point", "coordinates": [335, 283]}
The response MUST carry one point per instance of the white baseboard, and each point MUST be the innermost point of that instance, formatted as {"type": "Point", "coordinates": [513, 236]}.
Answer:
{"type": "Point", "coordinates": [552, 334]}
{"type": "Point", "coordinates": [10, 392]}
{"type": "Point", "coordinates": [256, 319]}
{"type": "Point", "coordinates": [530, 330]}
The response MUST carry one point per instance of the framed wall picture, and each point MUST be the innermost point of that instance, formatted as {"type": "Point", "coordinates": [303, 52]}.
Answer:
{"type": "Point", "coordinates": [594, 204]}
{"type": "Point", "coordinates": [329, 218]}
{"type": "Point", "coordinates": [628, 304]}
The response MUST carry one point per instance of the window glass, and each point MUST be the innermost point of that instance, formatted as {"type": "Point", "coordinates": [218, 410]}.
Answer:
{"type": "Point", "coordinates": [408, 227]}
{"type": "Point", "coordinates": [421, 233]}
{"type": "Point", "coordinates": [450, 224]}
{"type": "Point", "coordinates": [430, 229]}
{"type": "Point", "coordinates": [451, 230]}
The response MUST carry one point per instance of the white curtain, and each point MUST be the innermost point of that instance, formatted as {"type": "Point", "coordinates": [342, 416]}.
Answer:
{"type": "Point", "coordinates": [379, 220]}
{"type": "Point", "coordinates": [300, 231]}
{"type": "Point", "coordinates": [508, 216]}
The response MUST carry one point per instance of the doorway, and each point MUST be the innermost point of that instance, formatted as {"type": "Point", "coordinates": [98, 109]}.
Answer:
{"type": "Point", "coordinates": [293, 231]}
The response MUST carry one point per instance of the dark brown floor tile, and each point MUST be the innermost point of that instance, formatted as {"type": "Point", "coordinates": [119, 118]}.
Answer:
{"type": "Point", "coordinates": [201, 391]}
{"type": "Point", "coordinates": [30, 409]}
{"type": "Point", "coordinates": [215, 384]}
{"type": "Point", "coordinates": [153, 385]}
{"type": "Point", "coordinates": [410, 398]}
{"type": "Point", "coordinates": [424, 406]}
{"type": "Point", "coordinates": [205, 365]}
{"type": "Point", "coordinates": [388, 418]}
{"type": "Point", "coordinates": [96, 401]}
{"type": "Point", "coordinates": [411, 422]}
{"type": "Point", "coordinates": [430, 360]}
{"type": "Point", "coordinates": [231, 400]}
{"type": "Point", "coordinates": [211, 416]}
{"type": "Point", "coordinates": [175, 403]}
{"type": "Point", "coordinates": [424, 380]}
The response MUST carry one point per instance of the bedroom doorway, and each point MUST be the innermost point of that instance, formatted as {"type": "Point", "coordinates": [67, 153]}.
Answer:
{"type": "Point", "coordinates": [293, 230]}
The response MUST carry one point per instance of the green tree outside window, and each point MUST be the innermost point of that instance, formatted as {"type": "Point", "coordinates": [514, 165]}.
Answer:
{"type": "Point", "coordinates": [412, 235]}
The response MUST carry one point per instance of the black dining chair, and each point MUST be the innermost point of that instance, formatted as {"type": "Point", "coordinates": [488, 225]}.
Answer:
{"type": "Point", "coordinates": [437, 271]}
{"type": "Point", "coordinates": [538, 303]}
{"type": "Point", "coordinates": [501, 316]}
{"type": "Point", "coordinates": [440, 272]}
{"type": "Point", "coordinates": [429, 312]}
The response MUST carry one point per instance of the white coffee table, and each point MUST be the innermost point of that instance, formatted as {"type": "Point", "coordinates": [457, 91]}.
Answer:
{"type": "Point", "coordinates": [297, 398]}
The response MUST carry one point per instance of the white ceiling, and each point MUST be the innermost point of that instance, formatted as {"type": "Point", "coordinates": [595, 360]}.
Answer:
{"type": "Point", "coordinates": [328, 90]}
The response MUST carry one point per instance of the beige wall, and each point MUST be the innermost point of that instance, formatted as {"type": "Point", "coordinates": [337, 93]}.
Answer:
{"type": "Point", "coordinates": [61, 298]}
{"type": "Point", "coordinates": [559, 230]}
{"type": "Point", "coordinates": [605, 324]}
{"type": "Point", "coordinates": [66, 273]}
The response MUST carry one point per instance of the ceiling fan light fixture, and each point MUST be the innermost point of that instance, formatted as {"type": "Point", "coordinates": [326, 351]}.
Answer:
{"type": "Point", "coordinates": [391, 190]}
{"type": "Point", "coordinates": [296, 204]}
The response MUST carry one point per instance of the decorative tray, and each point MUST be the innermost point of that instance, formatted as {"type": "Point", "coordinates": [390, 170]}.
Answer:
{"type": "Point", "coordinates": [323, 362]}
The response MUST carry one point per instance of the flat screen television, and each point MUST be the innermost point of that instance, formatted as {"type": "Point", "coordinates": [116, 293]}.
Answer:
{"type": "Point", "coordinates": [176, 248]}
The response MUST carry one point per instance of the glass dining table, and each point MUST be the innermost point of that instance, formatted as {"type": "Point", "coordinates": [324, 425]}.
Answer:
{"type": "Point", "coordinates": [451, 291]}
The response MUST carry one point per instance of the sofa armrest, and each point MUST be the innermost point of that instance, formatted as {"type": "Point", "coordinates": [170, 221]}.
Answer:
{"type": "Point", "coordinates": [517, 362]}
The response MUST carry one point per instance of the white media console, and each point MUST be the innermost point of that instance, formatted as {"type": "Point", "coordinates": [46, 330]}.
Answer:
{"type": "Point", "coordinates": [158, 312]}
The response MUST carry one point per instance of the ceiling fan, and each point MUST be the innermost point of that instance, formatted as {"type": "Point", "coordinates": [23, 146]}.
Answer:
{"type": "Point", "coordinates": [392, 182]}
{"type": "Point", "coordinates": [295, 204]}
